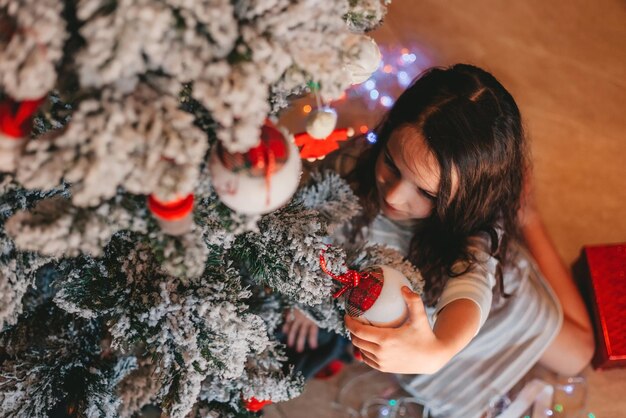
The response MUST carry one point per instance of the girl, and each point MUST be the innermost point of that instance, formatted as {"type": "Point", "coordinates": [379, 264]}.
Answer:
{"type": "Point", "coordinates": [443, 183]}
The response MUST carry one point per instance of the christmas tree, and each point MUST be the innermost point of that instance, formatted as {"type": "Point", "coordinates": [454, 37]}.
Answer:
{"type": "Point", "coordinates": [124, 278]}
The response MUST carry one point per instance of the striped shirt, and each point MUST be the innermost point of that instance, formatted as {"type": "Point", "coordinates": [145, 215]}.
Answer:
{"type": "Point", "coordinates": [514, 332]}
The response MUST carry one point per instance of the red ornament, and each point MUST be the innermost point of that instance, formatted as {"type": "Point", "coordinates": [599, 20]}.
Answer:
{"type": "Point", "coordinates": [172, 210]}
{"type": "Point", "coordinates": [255, 405]}
{"type": "Point", "coordinates": [16, 117]}
{"type": "Point", "coordinates": [317, 148]}
{"type": "Point", "coordinates": [363, 287]}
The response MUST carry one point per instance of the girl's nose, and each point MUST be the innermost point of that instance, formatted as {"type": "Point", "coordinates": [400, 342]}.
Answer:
{"type": "Point", "coordinates": [396, 194]}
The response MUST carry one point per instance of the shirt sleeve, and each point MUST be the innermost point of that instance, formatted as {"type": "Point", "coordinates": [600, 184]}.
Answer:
{"type": "Point", "coordinates": [476, 284]}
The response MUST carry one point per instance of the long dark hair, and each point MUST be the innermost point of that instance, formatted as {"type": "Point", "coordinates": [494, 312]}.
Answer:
{"type": "Point", "coordinates": [471, 123]}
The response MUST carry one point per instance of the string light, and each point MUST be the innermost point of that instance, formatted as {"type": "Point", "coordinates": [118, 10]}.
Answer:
{"type": "Point", "coordinates": [363, 129]}
{"type": "Point", "coordinates": [371, 137]}
{"type": "Point", "coordinates": [350, 132]}
{"type": "Point", "coordinates": [409, 58]}
{"type": "Point", "coordinates": [403, 78]}
{"type": "Point", "coordinates": [370, 84]}
{"type": "Point", "coordinates": [374, 94]}
{"type": "Point", "coordinates": [307, 108]}
{"type": "Point", "coordinates": [388, 68]}
{"type": "Point", "coordinates": [386, 101]}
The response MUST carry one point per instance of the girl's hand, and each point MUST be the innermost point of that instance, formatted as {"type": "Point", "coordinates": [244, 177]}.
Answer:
{"type": "Point", "coordinates": [411, 348]}
{"type": "Point", "coordinates": [299, 329]}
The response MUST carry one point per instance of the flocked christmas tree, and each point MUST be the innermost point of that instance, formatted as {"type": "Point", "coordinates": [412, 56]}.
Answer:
{"type": "Point", "coordinates": [124, 279]}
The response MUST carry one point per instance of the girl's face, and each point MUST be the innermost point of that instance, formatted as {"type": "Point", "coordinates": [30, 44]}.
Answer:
{"type": "Point", "coordinates": [407, 176]}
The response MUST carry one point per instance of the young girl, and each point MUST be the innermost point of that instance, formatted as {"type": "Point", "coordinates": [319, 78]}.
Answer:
{"type": "Point", "coordinates": [444, 184]}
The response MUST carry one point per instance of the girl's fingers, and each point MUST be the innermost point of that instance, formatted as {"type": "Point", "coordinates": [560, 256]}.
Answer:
{"type": "Point", "coordinates": [365, 332]}
{"type": "Point", "coordinates": [293, 333]}
{"type": "Point", "coordinates": [313, 329]}
{"type": "Point", "coordinates": [287, 326]}
{"type": "Point", "coordinates": [364, 345]}
{"type": "Point", "coordinates": [370, 355]}
{"type": "Point", "coordinates": [302, 334]}
{"type": "Point", "coordinates": [367, 360]}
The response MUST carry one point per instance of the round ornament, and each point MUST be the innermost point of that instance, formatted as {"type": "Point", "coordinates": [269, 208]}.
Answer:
{"type": "Point", "coordinates": [174, 217]}
{"type": "Point", "coordinates": [321, 123]}
{"type": "Point", "coordinates": [363, 58]}
{"type": "Point", "coordinates": [374, 295]}
{"type": "Point", "coordinates": [260, 180]}
{"type": "Point", "coordinates": [15, 126]}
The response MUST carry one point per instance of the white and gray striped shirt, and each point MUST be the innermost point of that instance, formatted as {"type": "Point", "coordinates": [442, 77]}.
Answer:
{"type": "Point", "coordinates": [514, 332]}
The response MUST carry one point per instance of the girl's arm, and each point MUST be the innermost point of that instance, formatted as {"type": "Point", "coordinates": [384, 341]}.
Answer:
{"type": "Point", "coordinates": [573, 347]}
{"type": "Point", "coordinates": [414, 347]}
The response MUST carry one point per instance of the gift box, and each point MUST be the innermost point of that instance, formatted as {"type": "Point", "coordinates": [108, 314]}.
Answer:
{"type": "Point", "coordinates": [603, 271]}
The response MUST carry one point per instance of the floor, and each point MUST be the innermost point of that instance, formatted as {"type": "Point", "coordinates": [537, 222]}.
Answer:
{"type": "Point", "coordinates": [565, 63]}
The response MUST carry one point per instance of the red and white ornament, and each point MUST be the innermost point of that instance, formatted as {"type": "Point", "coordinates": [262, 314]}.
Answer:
{"type": "Point", "coordinates": [313, 149]}
{"type": "Point", "coordinates": [260, 180]}
{"type": "Point", "coordinates": [15, 126]}
{"type": "Point", "coordinates": [176, 216]}
{"type": "Point", "coordinates": [373, 296]}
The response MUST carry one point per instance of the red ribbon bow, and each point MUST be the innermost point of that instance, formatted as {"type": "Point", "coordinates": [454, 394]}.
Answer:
{"type": "Point", "coordinates": [349, 279]}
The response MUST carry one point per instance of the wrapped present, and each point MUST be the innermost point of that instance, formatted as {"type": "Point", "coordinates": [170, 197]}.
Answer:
{"type": "Point", "coordinates": [604, 269]}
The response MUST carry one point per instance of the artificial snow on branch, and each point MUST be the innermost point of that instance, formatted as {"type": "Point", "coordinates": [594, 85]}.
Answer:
{"type": "Point", "coordinates": [32, 35]}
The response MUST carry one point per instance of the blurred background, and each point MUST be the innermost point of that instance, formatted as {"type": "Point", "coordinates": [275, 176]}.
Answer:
{"type": "Point", "coordinates": [565, 64]}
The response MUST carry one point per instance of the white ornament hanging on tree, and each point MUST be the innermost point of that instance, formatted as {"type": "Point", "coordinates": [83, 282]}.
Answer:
{"type": "Point", "coordinates": [321, 122]}
{"type": "Point", "coordinates": [362, 58]}
{"type": "Point", "coordinates": [260, 180]}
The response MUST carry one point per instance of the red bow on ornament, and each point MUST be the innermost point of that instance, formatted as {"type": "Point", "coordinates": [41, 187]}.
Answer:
{"type": "Point", "coordinates": [15, 117]}
{"type": "Point", "coordinates": [264, 159]}
{"type": "Point", "coordinates": [317, 148]}
{"type": "Point", "coordinates": [363, 287]}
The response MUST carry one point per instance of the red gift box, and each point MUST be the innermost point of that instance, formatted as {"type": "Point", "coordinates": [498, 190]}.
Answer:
{"type": "Point", "coordinates": [605, 268]}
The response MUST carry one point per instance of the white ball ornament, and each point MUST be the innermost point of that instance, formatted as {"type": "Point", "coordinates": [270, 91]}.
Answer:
{"type": "Point", "coordinates": [260, 180]}
{"type": "Point", "coordinates": [362, 58]}
{"type": "Point", "coordinates": [389, 310]}
{"type": "Point", "coordinates": [373, 296]}
{"type": "Point", "coordinates": [321, 123]}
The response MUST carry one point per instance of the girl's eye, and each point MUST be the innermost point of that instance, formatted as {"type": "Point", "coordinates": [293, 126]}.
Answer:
{"type": "Point", "coordinates": [390, 163]}
{"type": "Point", "coordinates": [427, 195]}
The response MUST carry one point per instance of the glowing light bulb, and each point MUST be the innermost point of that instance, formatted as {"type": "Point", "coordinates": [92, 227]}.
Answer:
{"type": "Point", "coordinates": [374, 94]}
{"type": "Point", "coordinates": [370, 84]}
{"type": "Point", "coordinates": [372, 138]}
{"type": "Point", "coordinates": [363, 129]}
{"type": "Point", "coordinates": [386, 101]}
{"type": "Point", "coordinates": [403, 78]}
{"type": "Point", "coordinates": [307, 108]}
